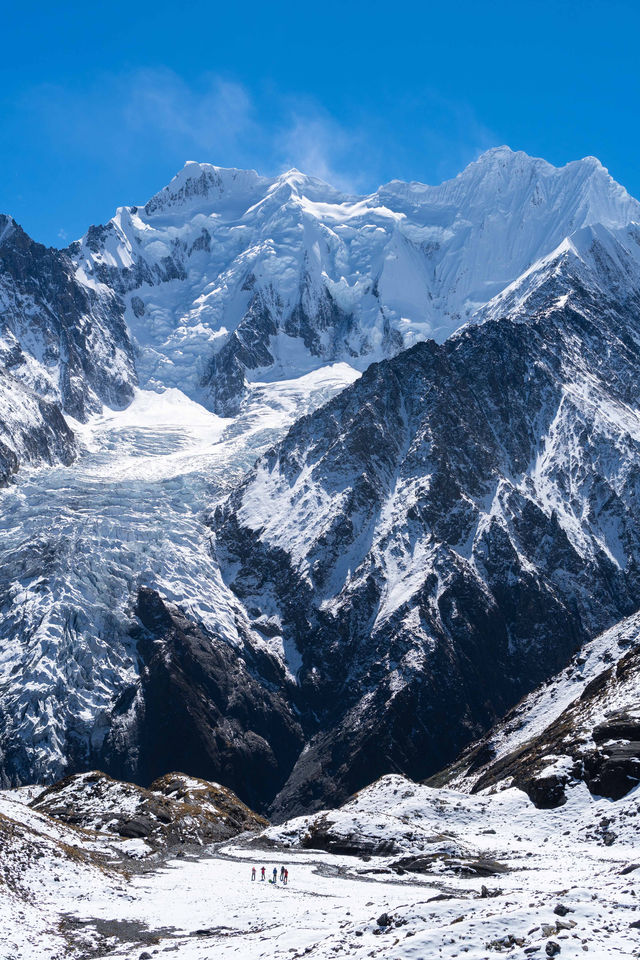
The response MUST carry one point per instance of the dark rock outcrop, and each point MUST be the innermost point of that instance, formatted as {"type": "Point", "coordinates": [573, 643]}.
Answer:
{"type": "Point", "coordinates": [605, 755]}
{"type": "Point", "coordinates": [175, 810]}
{"type": "Point", "coordinates": [203, 707]}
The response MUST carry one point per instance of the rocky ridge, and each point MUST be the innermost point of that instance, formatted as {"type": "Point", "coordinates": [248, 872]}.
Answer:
{"type": "Point", "coordinates": [57, 336]}
{"type": "Point", "coordinates": [64, 351]}
{"type": "Point", "coordinates": [175, 810]}
{"type": "Point", "coordinates": [32, 430]}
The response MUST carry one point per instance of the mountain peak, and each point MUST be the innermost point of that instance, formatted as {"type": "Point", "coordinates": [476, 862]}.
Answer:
{"type": "Point", "coordinates": [198, 182]}
{"type": "Point", "coordinates": [502, 152]}
{"type": "Point", "coordinates": [7, 227]}
{"type": "Point", "coordinates": [293, 174]}
{"type": "Point", "coordinates": [504, 158]}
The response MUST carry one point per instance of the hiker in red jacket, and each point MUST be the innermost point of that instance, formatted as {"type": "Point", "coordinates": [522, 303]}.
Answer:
{"type": "Point", "coordinates": [253, 873]}
{"type": "Point", "coordinates": [262, 871]}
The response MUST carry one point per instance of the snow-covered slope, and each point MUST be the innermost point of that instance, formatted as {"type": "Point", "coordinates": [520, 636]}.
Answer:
{"type": "Point", "coordinates": [582, 725]}
{"type": "Point", "coordinates": [227, 275]}
{"type": "Point", "coordinates": [605, 260]}
{"type": "Point", "coordinates": [402, 872]}
{"type": "Point", "coordinates": [446, 533]}
{"type": "Point", "coordinates": [32, 430]}
{"type": "Point", "coordinates": [79, 843]}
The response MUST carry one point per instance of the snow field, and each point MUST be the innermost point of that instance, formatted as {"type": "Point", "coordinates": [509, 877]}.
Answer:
{"type": "Point", "coordinates": [209, 908]}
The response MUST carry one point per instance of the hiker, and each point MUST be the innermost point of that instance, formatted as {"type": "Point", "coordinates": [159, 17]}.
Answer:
{"type": "Point", "coordinates": [275, 874]}
{"type": "Point", "coordinates": [286, 876]}
{"type": "Point", "coordinates": [253, 873]}
{"type": "Point", "coordinates": [281, 874]}
{"type": "Point", "coordinates": [262, 877]}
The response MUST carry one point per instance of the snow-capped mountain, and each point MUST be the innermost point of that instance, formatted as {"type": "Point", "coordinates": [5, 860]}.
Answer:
{"type": "Point", "coordinates": [227, 276]}
{"type": "Point", "coordinates": [446, 532]}
{"type": "Point", "coordinates": [412, 558]}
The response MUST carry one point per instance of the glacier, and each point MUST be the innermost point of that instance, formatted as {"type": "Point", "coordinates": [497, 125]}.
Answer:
{"type": "Point", "coordinates": [77, 541]}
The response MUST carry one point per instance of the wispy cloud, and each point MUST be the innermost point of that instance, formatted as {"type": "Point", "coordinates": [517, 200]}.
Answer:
{"type": "Point", "coordinates": [317, 144]}
{"type": "Point", "coordinates": [216, 115]}
{"type": "Point", "coordinates": [129, 120]}
{"type": "Point", "coordinates": [141, 111]}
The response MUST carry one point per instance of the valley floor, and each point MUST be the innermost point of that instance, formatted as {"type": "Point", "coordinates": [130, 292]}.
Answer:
{"type": "Point", "coordinates": [495, 870]}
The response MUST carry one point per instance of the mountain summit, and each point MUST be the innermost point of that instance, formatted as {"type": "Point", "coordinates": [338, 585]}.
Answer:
{"type": "Point", "coordinates": [228, 277]}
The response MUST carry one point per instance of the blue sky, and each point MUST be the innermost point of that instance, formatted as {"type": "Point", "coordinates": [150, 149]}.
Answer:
{"type": "Point", "coordinates": [101, 103]}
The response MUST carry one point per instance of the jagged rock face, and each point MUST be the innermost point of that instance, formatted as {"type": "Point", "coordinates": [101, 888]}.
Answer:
{"type": "Point", "coordinates": [56, 334]}
{"type": "Point", "coordinates": [446, 533]}
{"type": "Point", "coordinates": [203, 706]}
{"type": "Point", "coordinates": [227, 276]}
{"type": "Point", "coordinates": [32, 430]}
{"type": "Point", "coordinates": [63, 350]}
